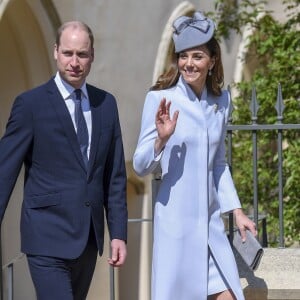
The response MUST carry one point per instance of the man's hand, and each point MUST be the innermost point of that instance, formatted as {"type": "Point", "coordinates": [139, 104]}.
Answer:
{"type": "Point", "coordinates": [118, 253]}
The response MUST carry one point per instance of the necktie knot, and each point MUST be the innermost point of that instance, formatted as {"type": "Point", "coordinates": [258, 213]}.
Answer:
{"type": "Point", "coordinates": [78, 94]}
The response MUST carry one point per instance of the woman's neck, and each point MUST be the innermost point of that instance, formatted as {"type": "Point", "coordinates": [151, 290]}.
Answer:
{"type": "Point", "coordinates": [198, 89]}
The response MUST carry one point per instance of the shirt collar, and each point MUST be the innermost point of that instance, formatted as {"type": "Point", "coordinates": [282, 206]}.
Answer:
{"type": "Point", "coordinates": [66, 89]}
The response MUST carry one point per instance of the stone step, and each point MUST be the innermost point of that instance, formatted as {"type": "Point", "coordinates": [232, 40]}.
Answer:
{"type": "Point", "coordinates": [277, 277]}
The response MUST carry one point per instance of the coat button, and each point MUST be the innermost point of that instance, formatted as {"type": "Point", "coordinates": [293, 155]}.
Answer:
{"type": "Point", "coordinates": [87, 203]}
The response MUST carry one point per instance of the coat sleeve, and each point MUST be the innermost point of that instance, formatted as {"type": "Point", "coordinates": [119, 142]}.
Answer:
{"type": "Point", "coordinates": [144, 159]}
{"type": "Point", "coordinates": [14, 146]}
{"type": "Point", "coordinates": [227, 194]}
{"type": "Point", "coordinates": [115, 180]}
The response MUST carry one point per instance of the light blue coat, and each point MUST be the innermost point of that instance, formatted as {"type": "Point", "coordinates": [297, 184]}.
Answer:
{"type": "Point", "coordinates": [196, 188]}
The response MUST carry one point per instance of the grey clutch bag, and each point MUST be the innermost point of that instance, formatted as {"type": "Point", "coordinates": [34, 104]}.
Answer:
{"type": "Point", "coordinates": [251, 251]}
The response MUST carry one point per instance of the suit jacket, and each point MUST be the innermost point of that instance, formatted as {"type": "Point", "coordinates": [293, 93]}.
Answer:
{"type": "Point", "coordinates": [62, 198]}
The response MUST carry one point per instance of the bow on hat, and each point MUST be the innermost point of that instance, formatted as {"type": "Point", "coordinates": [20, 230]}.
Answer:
{"type": "Point", "coordinates": [191, 32]}
{"type": "Point", "coordinates": [198, 21]}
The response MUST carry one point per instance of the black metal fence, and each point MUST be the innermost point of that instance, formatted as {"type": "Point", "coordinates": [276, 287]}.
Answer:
{"type": "Point", "coordinates": [254, 128]}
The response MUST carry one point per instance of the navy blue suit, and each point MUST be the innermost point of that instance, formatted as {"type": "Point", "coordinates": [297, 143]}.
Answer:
{"type": "Point", "coordinates": [61, 197]}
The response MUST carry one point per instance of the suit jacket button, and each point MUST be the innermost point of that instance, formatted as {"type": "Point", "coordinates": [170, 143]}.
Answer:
{"type": "Point", "coordinates": [87, 203]}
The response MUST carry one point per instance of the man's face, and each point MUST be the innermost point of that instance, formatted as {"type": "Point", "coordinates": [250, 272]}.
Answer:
{"type": "Point", "coordinates": [74, 56]}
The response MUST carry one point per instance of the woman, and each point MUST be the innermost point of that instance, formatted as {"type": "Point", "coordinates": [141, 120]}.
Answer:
{"type": "Point", "coordinates": [192, 257]}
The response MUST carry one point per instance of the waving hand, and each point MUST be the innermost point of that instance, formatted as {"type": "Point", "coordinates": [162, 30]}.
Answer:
{"type": "Point", "coordinates": [164, 124]}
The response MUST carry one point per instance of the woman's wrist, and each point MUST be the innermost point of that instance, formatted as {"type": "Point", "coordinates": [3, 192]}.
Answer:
{"type": "Point", "coordinates": [237, 212]}
{"type": "Point", "coordinates": [159, 145]}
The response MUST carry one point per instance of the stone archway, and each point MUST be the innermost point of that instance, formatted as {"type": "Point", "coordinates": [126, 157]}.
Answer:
{"type": "Point", "coordinates": [26, 59]}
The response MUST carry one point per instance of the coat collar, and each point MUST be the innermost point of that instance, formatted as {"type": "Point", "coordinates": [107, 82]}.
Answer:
{"type": "Point", "coordinates": [210, 105]}
{"type": "Point", "coordinates": [187, 91]}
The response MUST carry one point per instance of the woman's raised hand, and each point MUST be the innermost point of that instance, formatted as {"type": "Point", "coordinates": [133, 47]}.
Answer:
{"type": "Point", "coordinates": [164, 124]}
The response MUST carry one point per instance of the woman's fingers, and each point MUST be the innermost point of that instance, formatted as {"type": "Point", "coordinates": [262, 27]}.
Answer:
{"type": "Point", "coordinates": [175, 116]}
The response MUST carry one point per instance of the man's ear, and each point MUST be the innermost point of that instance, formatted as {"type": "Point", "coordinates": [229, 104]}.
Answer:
{"type": "Point", "coordinates": [55, 51]}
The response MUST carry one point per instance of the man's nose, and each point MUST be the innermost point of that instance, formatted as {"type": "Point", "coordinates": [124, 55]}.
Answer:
{"type": "Point", "coordinates": [74, 60]}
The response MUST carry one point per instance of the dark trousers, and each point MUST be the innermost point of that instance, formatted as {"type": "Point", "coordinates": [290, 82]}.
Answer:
{"type": "Point", "coordinates": [64, 279]}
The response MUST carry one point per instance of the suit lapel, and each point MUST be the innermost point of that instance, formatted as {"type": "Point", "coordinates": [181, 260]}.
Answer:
{"type": "Point", "coordinates": [95, 100]}
{"type": "Point", "coordinates": [65, 119]}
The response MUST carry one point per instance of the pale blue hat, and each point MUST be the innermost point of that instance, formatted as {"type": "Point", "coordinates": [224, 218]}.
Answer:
{"type": "Point", "coordinates": [190, 32]}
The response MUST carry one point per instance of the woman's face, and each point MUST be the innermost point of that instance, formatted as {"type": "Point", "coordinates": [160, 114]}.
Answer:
{"type": "Point", "coordinates": [194, 65]}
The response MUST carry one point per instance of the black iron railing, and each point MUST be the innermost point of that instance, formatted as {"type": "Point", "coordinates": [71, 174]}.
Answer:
{"type": "Point", "coordinates": [254, 128]}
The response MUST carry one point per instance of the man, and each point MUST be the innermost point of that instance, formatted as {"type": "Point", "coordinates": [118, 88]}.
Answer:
{"type": "Point", "coordinates": [74, 170]}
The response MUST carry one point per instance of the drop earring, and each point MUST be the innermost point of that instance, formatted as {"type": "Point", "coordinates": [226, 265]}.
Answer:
{"type": "Point", "coordinates": [209, 72]}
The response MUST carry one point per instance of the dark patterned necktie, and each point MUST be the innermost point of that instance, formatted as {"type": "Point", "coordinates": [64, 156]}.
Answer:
{"type": "Point", "coordinates": [82, 131]}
